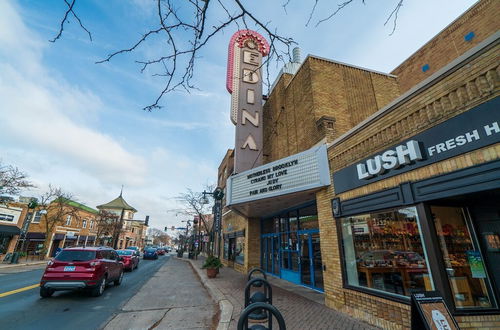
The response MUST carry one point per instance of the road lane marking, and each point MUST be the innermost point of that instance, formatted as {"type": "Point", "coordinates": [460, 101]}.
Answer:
{"type": "Point", "coordinates": [8, 293]}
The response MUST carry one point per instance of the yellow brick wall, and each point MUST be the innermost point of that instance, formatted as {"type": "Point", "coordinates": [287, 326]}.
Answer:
{"type": "Point", "coordinates": [482, 19]}
{"type": "Point", "coordinates": [469, 86]}
{"type": "Point", "coordinates": [321, 88]}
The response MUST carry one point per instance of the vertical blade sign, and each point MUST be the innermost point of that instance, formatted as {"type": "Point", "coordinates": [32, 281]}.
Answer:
{"type": "Point", "coordinates": [244, 82]}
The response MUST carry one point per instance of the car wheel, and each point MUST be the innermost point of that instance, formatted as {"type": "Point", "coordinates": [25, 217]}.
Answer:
{"type": "Point", "coordinates": [46, 293]}
{"type": "Point", "coordinates": [99, 289]}
{"type": "Point", "coordinates": [119, 280]}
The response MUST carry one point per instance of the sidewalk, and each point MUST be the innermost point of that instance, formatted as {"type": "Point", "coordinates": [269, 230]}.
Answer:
{"type": "Point", "coordinates": [173, 298]}
{"type": "Point", "coordinates": [302, 309]}
{"type": "Point", "coordinates": [23, 263]}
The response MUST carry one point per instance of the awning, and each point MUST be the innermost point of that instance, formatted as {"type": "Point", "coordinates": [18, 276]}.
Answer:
{"type": "Point", "coordinates": [269, 206]}
{"type": "Point", "coordinates": [10, 230]}
{"type": "Point", "coordinates": [58, 237]}
{"type": "Point", "coordinates": [35, 235]}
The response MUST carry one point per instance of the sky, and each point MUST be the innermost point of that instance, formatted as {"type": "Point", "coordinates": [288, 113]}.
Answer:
{"type": "Point", "coordinates": [69, 122]}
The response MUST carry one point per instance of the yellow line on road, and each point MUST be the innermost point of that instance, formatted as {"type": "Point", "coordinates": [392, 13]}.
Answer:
{"type": "Point", "coordinates": [8, 293]}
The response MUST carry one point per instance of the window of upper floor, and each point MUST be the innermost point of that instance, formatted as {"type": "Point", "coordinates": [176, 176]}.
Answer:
{"type": "Point", "coordinates": [37, 217]}
{"type": "Point", "coordinates": [91, 225]}
{"type": "Point", "coordinates": [84, 223]}
{"type": "Point", "coordinates": [68, 220]}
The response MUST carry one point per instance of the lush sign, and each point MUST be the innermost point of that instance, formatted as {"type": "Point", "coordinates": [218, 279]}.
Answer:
{"type": "Point", "coordinates": [474, 129]}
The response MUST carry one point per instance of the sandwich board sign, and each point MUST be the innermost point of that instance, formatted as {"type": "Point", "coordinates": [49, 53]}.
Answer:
{"type": "Point", "coordinates": [429, 311]}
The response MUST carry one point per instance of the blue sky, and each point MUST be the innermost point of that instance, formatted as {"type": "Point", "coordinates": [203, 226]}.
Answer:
{"type": "Point", "coordinates": [69, 122]}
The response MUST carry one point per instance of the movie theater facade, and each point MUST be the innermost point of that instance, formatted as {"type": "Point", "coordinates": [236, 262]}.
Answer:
{"type": "Point", "coordinates": [376, 186]}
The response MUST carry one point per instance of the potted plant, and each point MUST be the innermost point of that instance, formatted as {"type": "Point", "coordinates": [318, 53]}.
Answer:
{"type": "Point", "coordinates": [212, 265]}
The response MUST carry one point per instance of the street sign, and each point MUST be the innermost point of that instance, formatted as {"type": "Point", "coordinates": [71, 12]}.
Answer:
{"type": "Point", "coordinates": [70, 234]}
{"type": "Point", "coordinates": [217, 211]}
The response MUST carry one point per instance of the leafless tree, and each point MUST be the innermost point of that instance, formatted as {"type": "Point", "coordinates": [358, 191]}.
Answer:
{"type": "Point", "coordinates": [13, 180]}
{"type": "Point", "coordinates": [195, 205]}
{"type": "Point", "coordinates": [183, 28]}
{"type": "Point", "coordinates": [57, 207]}
{"type": "Point", "coordinates": [159, 236]}
{"type": "Point", "coordinates": [108, 225]}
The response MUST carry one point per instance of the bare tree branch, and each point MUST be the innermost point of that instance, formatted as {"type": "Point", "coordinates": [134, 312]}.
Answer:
{"type": "Point", "coordinates": [65, 19]}
{"type": "Point", "coordinates": [395, 13]}
{"type": "Point", "coordinates": [13, 180]}
{"type": "Point", "coordinates": [186, 27]}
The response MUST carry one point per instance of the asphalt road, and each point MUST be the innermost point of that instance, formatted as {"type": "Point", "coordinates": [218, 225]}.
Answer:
{"type": "Point", "coordinates": [66, 309]}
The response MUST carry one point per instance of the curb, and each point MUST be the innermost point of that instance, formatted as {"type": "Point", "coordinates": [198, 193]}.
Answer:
{"type": "Point", "coordinates": [225, 306]}
{"type": "Point", "coordinates": [23, 264]}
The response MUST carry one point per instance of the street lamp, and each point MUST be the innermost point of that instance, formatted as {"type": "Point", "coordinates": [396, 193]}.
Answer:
{"type": "Point", "coordinates": [218, 195]}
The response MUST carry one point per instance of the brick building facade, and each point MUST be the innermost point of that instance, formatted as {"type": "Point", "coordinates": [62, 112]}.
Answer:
{"type": "Point", "coordinates": [411, 200]}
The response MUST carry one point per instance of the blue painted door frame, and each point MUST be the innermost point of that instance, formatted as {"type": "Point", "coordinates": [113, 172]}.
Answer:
{"type": "Point", "coordinates": [269, 252]}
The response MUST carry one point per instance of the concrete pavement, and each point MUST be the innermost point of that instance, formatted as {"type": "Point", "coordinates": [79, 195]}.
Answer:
{"type": "Point", "coordinates": [301, 308]}
{"type": "Point", "coordinates": [173, 298]}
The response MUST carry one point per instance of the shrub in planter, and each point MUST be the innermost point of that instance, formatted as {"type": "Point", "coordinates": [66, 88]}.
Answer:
{"type": "Point", "coordinates": [212, 265]}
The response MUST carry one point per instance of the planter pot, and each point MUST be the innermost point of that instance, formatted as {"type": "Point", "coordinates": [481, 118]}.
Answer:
{"type": "Point", "coordinates": [211, 272]}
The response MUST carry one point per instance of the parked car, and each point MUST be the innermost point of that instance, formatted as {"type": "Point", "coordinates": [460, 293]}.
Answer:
{"type": "Point", "coordinates": [130, 259]}
{"type": "Point", "coordinates": [87, 268]}
{"type": "Point", "coordinates": [135, 248]}
{"type": "Point", "coordinates": [161, 251]}
{"type": "Point", "coordinates": [150, 253]}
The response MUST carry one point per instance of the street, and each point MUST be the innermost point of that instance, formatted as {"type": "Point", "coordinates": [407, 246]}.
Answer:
{"type": "Point", "coordinates": [65, 309]}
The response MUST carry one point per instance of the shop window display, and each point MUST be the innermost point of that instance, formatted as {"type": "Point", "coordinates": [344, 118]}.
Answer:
{"type": "Point", "coordinates": [239, 252]}
{"type": "Point", "coordinates": [384, 251]}
{"type": "Point", "coordinates": [462, 258]}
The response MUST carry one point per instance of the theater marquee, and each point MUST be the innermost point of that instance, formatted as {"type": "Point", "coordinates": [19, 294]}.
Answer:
{"type": "Point", "coordinates": [303, 171]}
{"type": "Point", "coordinates": [244, 82]}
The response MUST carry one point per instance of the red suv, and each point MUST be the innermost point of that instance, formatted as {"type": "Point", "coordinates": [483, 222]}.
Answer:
{"type": "Point", "coordinates": [90, 268]}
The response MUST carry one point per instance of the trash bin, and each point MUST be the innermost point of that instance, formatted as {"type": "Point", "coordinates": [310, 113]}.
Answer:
{"type": "Point", "coordinates": [15, 258]}
{"type": "Point", "coordinates": [191, 255]}
{"type": "Point", "coordinates": [180, 253]}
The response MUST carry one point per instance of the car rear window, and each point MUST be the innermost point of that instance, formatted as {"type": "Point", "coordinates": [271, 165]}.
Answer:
{"type": "Point", "coordinates": [71, 255]}
{"type": "Point", "coordinates": [124, 253]}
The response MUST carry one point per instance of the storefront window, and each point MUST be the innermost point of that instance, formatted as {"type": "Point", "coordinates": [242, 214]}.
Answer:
{"type": "Point", "coordinates": [226, 249]}
{"type": "Point", "coordinates": [384, 251]}
{"type": "Point", "coordinates": [308, 218]}
{"type": "Point", "coordinates": [462, 258]}
{"type": "Point", "coordinates": [239, 252]}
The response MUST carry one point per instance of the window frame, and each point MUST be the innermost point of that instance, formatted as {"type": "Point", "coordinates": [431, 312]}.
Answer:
{"type": "Point", "coordinates": [36, 215]}
{"type": "Point", "coordinates": [421, 218]}
{"type": "Point", "coordinates": [84, 223]}
{"type": "Point", "coordinates": [68, 220]}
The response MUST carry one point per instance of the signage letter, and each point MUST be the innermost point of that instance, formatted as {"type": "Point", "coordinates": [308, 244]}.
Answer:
{"type": "Point", "coordinates": [246, 116]}
{"type": "Point", "coordinates": [362, 173]}
{"type": "Point", "coordinates": [389, 159]}
{"type": "Point", "coordinates": [249, 142]}
{"type": "Point", "coordinates": [374, 165]}
{"type": "Point", "coordinates": [489, 129]}
{"type": "Point", "coordinates": [408, 153]}
{"type": "Point", "coordinates": [250, 76]}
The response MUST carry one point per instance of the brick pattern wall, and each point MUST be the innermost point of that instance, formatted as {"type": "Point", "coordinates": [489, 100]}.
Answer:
{"type": "Point", "coordinates": [470, 85]}
{"type": "Point", "coordinates": [322, 101]}
{"type": "Point", "coordinates": [482, 19]}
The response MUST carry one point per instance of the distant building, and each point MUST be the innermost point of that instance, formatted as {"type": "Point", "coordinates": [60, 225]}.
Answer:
{"type": "Point", "coordinates": [133, 232]}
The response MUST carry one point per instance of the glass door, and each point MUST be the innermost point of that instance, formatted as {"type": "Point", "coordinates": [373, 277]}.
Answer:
{"type": "Point", "coordinates": [317, 261]}
{"type": "Point", "coordinates": [311, 265]}
{"type": "Point", "coordinates": [305, 259]}
{"type": "Point", "coordinates": [276, 254]}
